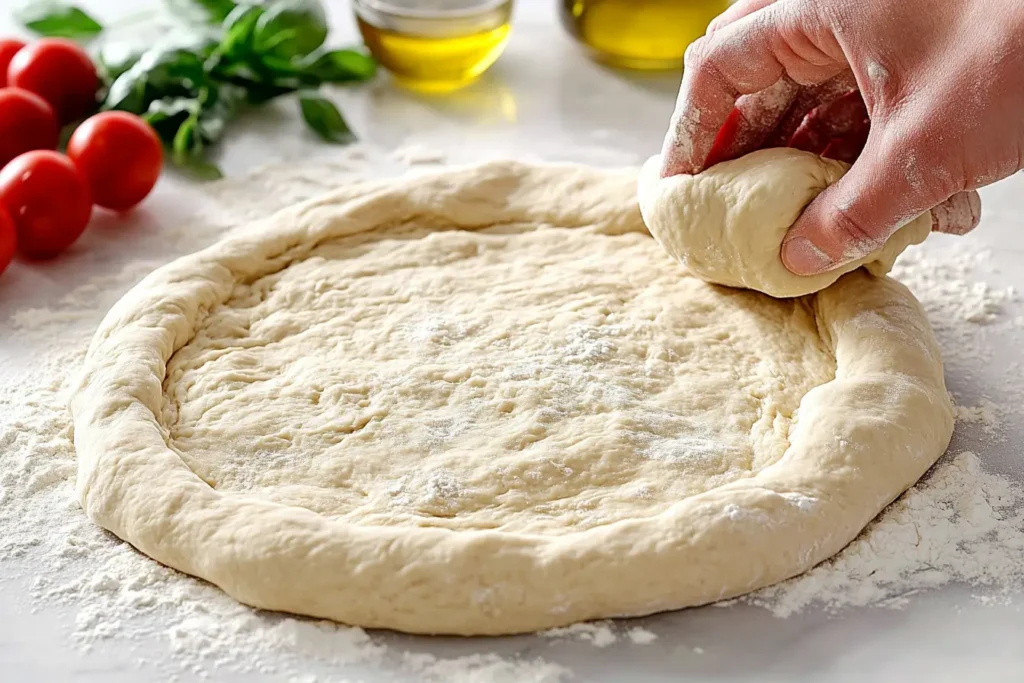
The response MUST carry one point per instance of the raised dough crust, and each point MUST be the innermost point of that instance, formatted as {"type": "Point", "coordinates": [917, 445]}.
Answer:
{"type": "Point", "coordinates": [860, 440]}
{"type": "Point", "coordinates": [726, 224]}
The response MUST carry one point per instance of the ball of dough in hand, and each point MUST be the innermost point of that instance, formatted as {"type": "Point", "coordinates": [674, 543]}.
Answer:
{"type": "Point", "coordinates": [726, 224]}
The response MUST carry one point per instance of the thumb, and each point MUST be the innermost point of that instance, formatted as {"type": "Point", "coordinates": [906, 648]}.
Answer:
{"type": "Point", "coordinates": [887, 187]}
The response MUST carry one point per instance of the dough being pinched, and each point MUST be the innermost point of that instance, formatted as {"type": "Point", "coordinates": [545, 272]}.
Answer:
{"type": "Point", "coordinates": [726, 224]}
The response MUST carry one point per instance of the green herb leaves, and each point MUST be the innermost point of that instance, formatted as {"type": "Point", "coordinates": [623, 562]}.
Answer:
{"type": "Point", "coordinates": [341, 66]}
{"type": "Point", "coordinates": [324, 118]}
{"type": "Point", "coordinates": [235, 54]}
{"type": "Point", "coordinates": [56, 19]}
{"type": "Point", "coordinates": [158, 73]}
{"type": "Point", "coordinates": [290, 29]}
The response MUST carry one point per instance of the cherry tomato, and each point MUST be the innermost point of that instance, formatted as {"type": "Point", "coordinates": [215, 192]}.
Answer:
{"type": "Point", "coordinates": [8, 239]}
{"type": "Point", "coordinates": [8, 48]}
{"type": "Point", "coordinates": [119, 156]}
{"type": "Point", "coordinates": [26, 123]}
{"type": "Point", "coordinates": [48, 200]}
{"type": "Point", "coordinates": [60, 72]}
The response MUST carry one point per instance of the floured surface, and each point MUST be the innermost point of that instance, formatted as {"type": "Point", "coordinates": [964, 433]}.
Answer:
{"type": "Point", "coordinates": [93, 594]}
{"type": "Point", "coordinates": [462, 380]}
{"type": "Point", "coordinates": [67, 587]}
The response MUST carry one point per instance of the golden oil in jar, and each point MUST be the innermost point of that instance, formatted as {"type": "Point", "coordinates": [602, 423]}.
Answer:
{"type": "Point", "coordinates": [639, 34]}
{"type": "Point", "coordinates": [435, 45]}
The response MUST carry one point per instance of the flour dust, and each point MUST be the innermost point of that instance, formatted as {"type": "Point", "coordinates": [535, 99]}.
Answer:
{"type": "Point", "coordinates": [962, 524]}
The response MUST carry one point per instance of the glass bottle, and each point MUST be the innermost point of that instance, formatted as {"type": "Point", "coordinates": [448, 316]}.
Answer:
{"type": "Point", "coordinates": [639, 34]}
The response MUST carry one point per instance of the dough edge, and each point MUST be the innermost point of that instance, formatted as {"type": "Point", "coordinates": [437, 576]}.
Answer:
{"type": "Point", "coordinates": [727, 223]}
{"type": "Point", "coordinates": [845, 452]}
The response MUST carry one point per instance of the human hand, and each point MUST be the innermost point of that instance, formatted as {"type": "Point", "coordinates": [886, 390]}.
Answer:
{"type": "Point", "coordinates": [942, 84]}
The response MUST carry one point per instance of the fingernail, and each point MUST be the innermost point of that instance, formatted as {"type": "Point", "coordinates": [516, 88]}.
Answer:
{"type": "Point", "coordinates": [803, 258]}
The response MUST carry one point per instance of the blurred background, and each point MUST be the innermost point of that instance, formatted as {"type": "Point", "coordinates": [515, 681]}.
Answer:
{"type": "Point", "coordinates": [442, 45]}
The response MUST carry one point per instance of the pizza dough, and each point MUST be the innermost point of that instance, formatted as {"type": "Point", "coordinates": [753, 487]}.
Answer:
{"type": "Point", "coordinates": [726, 224]}
{"type": "Point", "coordinates": [486, 401]}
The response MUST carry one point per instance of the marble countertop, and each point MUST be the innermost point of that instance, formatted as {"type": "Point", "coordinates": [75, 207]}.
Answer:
{"type": "Point", "coordinates": [545, 100]}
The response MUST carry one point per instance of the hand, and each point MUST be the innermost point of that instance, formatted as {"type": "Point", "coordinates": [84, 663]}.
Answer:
{"type": "Point", "coordinates": [942, 84]}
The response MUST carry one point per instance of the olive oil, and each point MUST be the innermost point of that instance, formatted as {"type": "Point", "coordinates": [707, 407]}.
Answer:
{"type": "Point", "coordinates": [639, 34]}
{"type": "Point", "coordinates": [435, 51]}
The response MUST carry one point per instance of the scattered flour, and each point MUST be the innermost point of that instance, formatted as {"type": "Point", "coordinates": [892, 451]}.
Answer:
{"type": "Point", "coordinates": [641, 636]}
{"type": "Point", "coordinates": [986, 414]}
{"type": "Point", "coordinates": [960, 524]}
{"type": "Point", "coordinates": [601, 634]}
{"type": "Point", "coordinates": [952, 296]}
{"type": "Point", "coordinates": [598, 633]}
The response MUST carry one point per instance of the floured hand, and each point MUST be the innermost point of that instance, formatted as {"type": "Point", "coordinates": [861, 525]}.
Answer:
{"type": "Point", "coordinates": [942, 86]}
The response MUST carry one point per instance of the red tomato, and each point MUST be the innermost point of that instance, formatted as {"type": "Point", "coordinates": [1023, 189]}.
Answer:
{"type": "Point", "coordinates": [26, 123]}
{"type": "Point", "coordinates": [60, 72]}
{"type": "Point", "coordinates": [8, 239]}
{"type": "Point", "coordinates": [8, 48]}
{"type": "Point", "coordinates": [48, 200]}
{"type": "Point", "coordinates": [120, 157]}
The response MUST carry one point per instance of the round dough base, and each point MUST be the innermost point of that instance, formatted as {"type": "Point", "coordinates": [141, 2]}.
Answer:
{"type": "Point", "coordinates": [486, 402]}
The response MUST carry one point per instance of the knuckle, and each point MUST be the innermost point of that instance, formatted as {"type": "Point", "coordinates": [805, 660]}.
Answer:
{"type": "Point", "coordinates": [708, 70]}
{"type": "Point", "coordinates": [834, 15]}
{"type": "Point", "coordinates": [886, 93]}
{"type": "Point", "coordinates": [696, 53]}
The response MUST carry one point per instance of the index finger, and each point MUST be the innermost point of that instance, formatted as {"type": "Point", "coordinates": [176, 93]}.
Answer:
{"type": "Point", "coordinates": [744, 57]}
{"type": "Point", "coordinates": [706, 98]}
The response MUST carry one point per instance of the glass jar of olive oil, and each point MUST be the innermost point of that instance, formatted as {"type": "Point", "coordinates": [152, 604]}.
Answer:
{"type": "Point", "coordinates": [639, 34]}
{"type": "Point", "coordinates": [435, 45]}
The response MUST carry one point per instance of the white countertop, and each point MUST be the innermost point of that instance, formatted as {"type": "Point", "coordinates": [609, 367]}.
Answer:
{"type": "Point", "coordinates": [544, 100]}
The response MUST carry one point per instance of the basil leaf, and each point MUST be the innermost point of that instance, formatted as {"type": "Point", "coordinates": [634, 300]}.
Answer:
{"type": "Point", "coordinates": [113, 59]}
{"type": "Point", "coordinates": [201, 169]}
{"type": "Point", "coordinates": [170, 107]}
{"type": "Point", "coordinates": [186, 142]}
{"type": "Point", "coordinates": [166, 115]}
{"type": "Point", "coordinates": [237, 60]}
{"type": "Point", "coordinates": [219, 106]}
{"type": "Point", "coordinates": [245, 52]}
{"type": "Point", "coordinates": [263, 77]}
{"type": "Point", "coordinates": [324, 118]}
{"type": "Point", "coordinates": [190, 125]}
{"type": "Point", "coordinates": [260, 93]}
{"type": "Point", "coordinates": [342, 66]}
{"type": "Point", "coordinates": [57, 19]}
{"type": "Point", "coordinates": [238, 31]}
{"type": "Point", "coordinates": [159, 73]}
{"type": "Point", "coordinates": [127, 92]}
{"type": "Point", "coordinates": [201, 11]}
{"type": "Point", "coordinates": [188, 150]}
{"type": "Point", "coordinates": [290, 29]}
